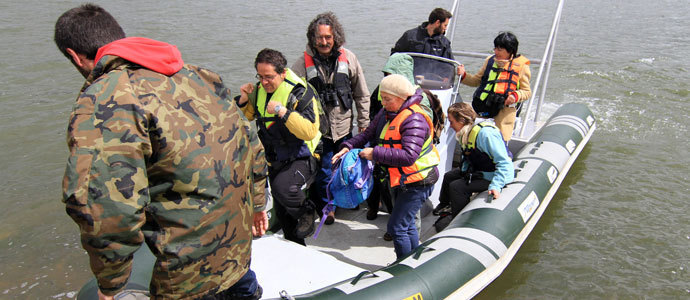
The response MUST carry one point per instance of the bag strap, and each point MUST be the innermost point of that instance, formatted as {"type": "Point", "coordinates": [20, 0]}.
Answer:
{"type": "Point", "coordinates": [329, 206]}
{"type": "Point", "coordinates": [367, 172]}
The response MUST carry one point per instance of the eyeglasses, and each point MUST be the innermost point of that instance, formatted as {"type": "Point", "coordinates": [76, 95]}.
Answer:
{"type": "Point", "coordinates": [266, 78]}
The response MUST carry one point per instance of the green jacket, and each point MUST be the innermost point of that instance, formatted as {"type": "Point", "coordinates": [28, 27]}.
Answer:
{"type": "Point", "coordinates": [403, 64]}
{"type": "Point", "coordinates": [170, 161]}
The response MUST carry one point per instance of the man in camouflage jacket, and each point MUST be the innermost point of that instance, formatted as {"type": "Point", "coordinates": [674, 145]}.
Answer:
{"type": "Point", "coordinates": [159, 154]}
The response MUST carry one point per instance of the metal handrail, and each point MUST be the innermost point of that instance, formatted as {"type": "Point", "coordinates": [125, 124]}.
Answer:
{"type": "Point", "coordinates": [453, 11]}
{"type": "Point", "coordinates": [485, 55]}
{"type": "Point", "coordinates": [434, 57]}
{"type": "Point", "coordinates": [546, 77]}
{"type": "Point", "coordinates": [548, 53]}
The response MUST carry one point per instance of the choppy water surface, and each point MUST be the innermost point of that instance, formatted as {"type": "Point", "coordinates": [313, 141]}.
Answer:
{"type": "Point", "coordinates": [617, 229]}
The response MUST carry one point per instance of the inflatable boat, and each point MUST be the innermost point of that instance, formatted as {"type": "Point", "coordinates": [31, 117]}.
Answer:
{"type": "Point", "coordinates": [351, 260]}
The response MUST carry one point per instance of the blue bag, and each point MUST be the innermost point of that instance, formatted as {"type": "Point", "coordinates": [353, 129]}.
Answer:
{"type": "Point", "coordinates": [350, 184]}
{"type": "Point", "coordinates": [351, 181]}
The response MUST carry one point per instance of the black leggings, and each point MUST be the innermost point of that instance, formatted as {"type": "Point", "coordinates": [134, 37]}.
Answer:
{"type": "Point", "coordinates": [456, 191]}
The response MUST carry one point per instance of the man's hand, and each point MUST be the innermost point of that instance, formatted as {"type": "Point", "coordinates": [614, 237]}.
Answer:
{"type": "Point", "coordinates": [362, 129]}
{"type": "Point", "coordinates": [245, 90]}
{"type": "Point", "coordinates": [260, 223]}
{"type": "Point", "coordinates": [339, 154]}
{"type": "Point", "coordinates": [367, 153]}
{"type": "Point", "coordinates": [270, 108]}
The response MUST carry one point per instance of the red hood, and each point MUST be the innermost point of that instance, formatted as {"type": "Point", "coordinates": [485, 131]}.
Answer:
{"type": "Point", "coordinates": [151, 54]}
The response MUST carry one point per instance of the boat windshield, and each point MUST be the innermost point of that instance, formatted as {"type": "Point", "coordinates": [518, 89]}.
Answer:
{"type": "Point", "coordinates": [434, 73]}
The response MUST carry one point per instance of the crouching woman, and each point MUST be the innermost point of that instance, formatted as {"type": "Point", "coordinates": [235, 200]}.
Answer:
{"type": "Point", "coordinates": [485, 162]}
{"type": "Point", "coordinates": [401, 135]}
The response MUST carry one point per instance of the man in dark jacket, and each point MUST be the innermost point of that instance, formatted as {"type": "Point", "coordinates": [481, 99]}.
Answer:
{"type": "Point", "coordinates": [428, 38]}
{"type": "Point", "coordinates": [159, 155]}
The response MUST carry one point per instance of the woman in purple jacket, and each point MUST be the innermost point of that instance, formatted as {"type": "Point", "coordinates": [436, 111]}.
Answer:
{"type": "Point", "coordinates": [401, 133]}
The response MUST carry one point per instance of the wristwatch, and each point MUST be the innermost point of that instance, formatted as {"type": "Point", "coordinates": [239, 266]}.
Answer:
{"type": "Point", "coordinates": [277, 108]}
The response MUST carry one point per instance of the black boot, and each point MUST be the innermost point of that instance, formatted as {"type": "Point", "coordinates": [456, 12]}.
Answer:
{"type": "Point", "coordinates": [305, 224]}
{"type": "Point", "coordinates": [441, 207]}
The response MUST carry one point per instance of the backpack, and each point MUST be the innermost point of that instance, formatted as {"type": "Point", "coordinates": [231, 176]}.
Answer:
{"type": "Point", "coordinates": [439, 116]}
{"type": "Point", "coordinates": [351, 181]}
{"type": "Point", "coordinates": [350, 184]}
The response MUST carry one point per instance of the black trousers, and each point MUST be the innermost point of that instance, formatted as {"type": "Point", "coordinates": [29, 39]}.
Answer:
{"type": "Point", "coordinates": [380, 192]}
{"type": "Point", "coordinates": [450, 176]}
{"type": "Point", "coordinates": [456, 189]}
{"type": "Point", "coordinates": [289, 183]}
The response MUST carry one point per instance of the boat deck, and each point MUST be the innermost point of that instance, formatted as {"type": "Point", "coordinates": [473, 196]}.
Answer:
{"type": "Point", "coordinates": [342, 250]}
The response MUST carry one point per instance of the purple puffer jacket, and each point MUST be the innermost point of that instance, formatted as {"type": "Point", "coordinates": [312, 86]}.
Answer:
{"type": "Point", "coordinates": [414, 131]}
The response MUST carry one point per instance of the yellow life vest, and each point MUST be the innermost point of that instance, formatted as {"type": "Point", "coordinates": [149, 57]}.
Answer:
{"type": "Point", "coordinates": [282, 95]}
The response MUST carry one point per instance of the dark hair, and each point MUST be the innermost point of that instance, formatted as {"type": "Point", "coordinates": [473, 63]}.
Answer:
{"type": "Point", "coordinates": [86, 28]}
{"type": "Point", "coordinates": [327, 18]}
{"type": "Point", "coordinates": [272, 57]}
{"type": "Point", "coordinates": [507, 40]}
{"type": "Point", "coordinates": [439, 14]}
{"type": "Point", "coordinates": [462, 112]}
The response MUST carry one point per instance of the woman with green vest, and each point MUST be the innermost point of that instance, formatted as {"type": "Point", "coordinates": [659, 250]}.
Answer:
{"type": "Point", "coordinates": [485, 162]}
{"type": "Point", "coordinates": [286, 112]}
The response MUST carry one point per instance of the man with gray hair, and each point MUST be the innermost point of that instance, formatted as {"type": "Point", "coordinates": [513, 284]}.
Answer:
{"type": "Point", "coordinates": [339, 79]}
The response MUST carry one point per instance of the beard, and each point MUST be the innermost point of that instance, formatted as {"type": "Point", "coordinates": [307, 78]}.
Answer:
{"type": "Point", "coordinates": [438, 30]}
{"type": "Point", "coordinates": [83, 71]}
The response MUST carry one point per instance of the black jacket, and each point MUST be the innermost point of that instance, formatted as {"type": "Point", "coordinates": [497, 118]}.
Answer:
{"type": "Point", "coordinates": [418, 40]}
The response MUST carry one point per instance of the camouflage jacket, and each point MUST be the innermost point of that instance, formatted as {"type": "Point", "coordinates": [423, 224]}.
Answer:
{"type": "Point", "coordinates": [170, 161]}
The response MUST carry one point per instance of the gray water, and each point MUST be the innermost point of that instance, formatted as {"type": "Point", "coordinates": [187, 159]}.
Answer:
{"type": "Point", "coordinates": [618, 228]}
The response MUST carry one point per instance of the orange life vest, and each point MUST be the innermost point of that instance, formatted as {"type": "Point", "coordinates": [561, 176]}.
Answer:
{"type": "Point", "coordinates": [508, 79]}
{"type": "Point", "coordinates": [496, 84]}
{"type": "Point", "coordinates": [428, 158]}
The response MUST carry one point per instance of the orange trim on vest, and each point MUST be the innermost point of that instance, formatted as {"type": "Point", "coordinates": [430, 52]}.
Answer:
{"type": "Point", "coordinates": [309, 60]}
{"type": "Point", "coordinates": [507, 80]}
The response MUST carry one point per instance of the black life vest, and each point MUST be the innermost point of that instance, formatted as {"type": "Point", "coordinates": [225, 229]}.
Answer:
{"type": "Point", "coordinates": [479, 161]}
{"type": "Point", "coordinates": [339, 91]}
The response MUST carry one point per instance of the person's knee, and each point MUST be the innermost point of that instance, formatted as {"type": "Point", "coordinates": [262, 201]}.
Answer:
{"type": "Point", "coordinates": [459, 186]}
{"type": "Point", "coordinates": [288, 195]}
